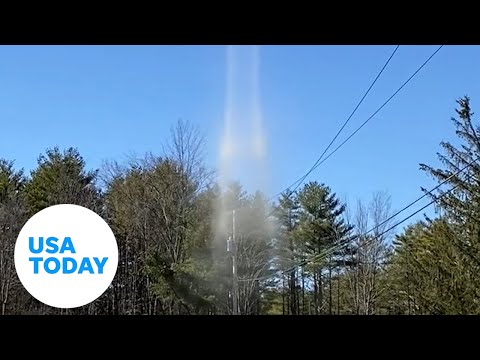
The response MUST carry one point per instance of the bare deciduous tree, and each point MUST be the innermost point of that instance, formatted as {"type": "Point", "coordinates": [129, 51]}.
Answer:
{"type": "Point", "coordinates": [152, 204]}
{"type": "Point", "coordinates": [12, 218]}
{"type": "Point", "coordinates": [369, 252]}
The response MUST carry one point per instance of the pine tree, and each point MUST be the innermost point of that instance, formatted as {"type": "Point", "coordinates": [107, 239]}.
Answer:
{"type": "Point", "coordinates": [13, 297]}
{"type": "Point", "coordinates": [287, 213]}
{"type": "Point", "coordinates": [321, 228]}
{"type": "Point", "coordinates": [461, 205]}
{"type": "Point", "coordinates": [61, 178]}
{"type": "Point", "coordinates": [436, 264]}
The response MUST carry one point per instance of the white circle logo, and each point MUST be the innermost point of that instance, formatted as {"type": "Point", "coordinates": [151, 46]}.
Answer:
{"type": "Point", "coordinates": [66, 256]}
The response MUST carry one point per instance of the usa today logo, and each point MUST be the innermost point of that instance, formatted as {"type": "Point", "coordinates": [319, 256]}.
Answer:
{"type": "Point", "coordinates": [66, 256]}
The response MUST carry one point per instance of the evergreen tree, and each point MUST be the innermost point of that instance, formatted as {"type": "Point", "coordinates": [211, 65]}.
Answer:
{"type": "Point", "coordinates": [61, 178]}
{"type": "Point", "coordinates": [13, 297]}
{"type": "Point", "coordinates": [429, 275]}
{"type": "Point", "coordinates": [289, 254]}
{"type": "Point", "coordinates": [435, 268]}
{"type": "Point", "coordinates": [321, 228]}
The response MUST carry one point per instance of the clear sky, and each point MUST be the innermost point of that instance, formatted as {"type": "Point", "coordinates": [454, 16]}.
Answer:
{"type": "Point", "coordinates": [109, 101]}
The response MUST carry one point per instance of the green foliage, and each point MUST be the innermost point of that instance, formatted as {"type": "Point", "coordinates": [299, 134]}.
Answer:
{"type": "Point", "coordinates": [11, 181]}
{"type": "Point", "coordinates": [430, 275]}
{"type": "Point", "coordinates": [61, 178]}
{"type": "Point", "coordinates": [435, 268]}
{"type": "Point", "coordinates": [12, 218]}
{"type": "Point", "coordinates": [310, 223]}
{"type": "Point", "coordinates": [172, 222]}
{"type": "Point", "coordinates": [321, 222]}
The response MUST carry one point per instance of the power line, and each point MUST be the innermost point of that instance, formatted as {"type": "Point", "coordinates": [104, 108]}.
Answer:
{"type": "Point", "coordinates": [318, 257]}
{"type": "Point", "coordinates": [381, 107]}
{"type": "Point", "coordinates": [318, 163]}
{"type": "Point", "coordinates": [345, 123]}
{"type": "Point", "coordinates": [300, 180]}
{"type": "Point", "coordinates": [424, 195]}
{"type": "Point", "coordinates": [336, 247]}
{"type": "Point", "coordinates": [325, 253]}
{"type": "Point", "coordinates": [400, 222]}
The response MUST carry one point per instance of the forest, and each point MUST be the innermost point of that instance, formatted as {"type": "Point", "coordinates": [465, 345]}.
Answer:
{"type": "Point", "coordinates": [305, 253]}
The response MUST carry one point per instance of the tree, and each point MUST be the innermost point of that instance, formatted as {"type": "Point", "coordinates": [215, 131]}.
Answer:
{"type": "Point", "coordinates": [12, 217]}
{"type": "Point", "coordinates": [428, 273]}
{"type": "Point", "coordinates": [154, 206]}
{"type": "Point", "coordinates": [287, 213]}
{"type": "Point", "coordinates": [187, 149]}
{"type": "Point", "coordinates": [368, 253]}
{"type": "Point", "coordinates": [436, 263]}
{"type": "Point", "coordinates": [460, 200]}
{"type": "Point", "coordinates": [249, 247]}
{"type": "Point", "coordinates": [61, 178]}
{"type": "Point", "coordinates": [322, 227]}
{"type": "Point", "coordinates": [254, 253]}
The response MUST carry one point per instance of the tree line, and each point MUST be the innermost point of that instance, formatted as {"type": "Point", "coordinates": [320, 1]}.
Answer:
{"type": "Point", "coordinates": [307, 253]}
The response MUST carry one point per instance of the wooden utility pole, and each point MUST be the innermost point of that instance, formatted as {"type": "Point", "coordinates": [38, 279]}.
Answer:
{"type": "Point", "coordinates": [234, 269]}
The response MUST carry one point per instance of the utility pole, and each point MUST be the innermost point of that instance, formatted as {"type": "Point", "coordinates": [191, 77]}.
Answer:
{"type": "Point", "coordinates": [234, 268]}
{"type": "Point", "coordinates": [232, 249]}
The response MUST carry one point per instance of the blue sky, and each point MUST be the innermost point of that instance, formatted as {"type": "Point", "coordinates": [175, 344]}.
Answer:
{"type": "Point", "coordinates": [109, 101]}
